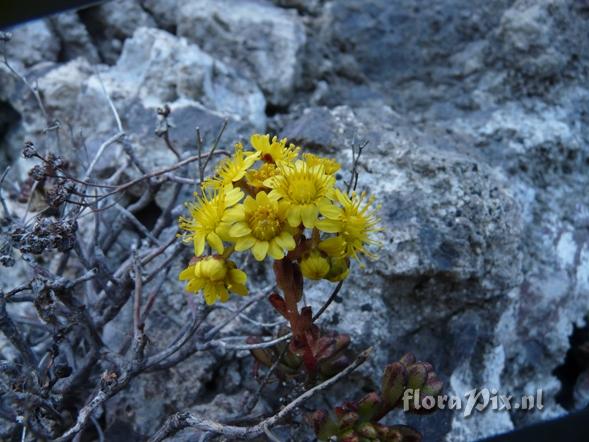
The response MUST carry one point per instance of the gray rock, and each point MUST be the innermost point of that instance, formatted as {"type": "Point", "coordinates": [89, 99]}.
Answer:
{"type": "Point", "coordinates": [74, 38]}
{"type": "Point", "coordinates": [542, 158]}
{"type": "Point", "coordinates": [112, 22]}
{"type": "Point", "coordinates": [263, 40]}
{"type": "Point", "coordinates": [32, 43]}
{"type": "Point", "coordinates": [61, 89]}
{"type": "Point", "coordinates": [538, 39]}
{"type": "Point", "coordinates": [60, 86]}
{"type": "Point", "coordinates": [155, 68]}
{"type": "Point", "coordinates": [402, 50]}
{"type": "Point", "coordinates": [535, 147]}
{"type": "Point", "coordinates": [164, 12]}
{"type": "Point", "coordinates": [304, 6]}
{"type": "Point", "coordinates": [8, 120]}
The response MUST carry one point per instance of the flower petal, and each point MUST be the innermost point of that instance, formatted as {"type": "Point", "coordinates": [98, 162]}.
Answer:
{"type": "Point", "coordinates": [260, 142]}
{"type": "Point", "coordinates": [262, 197]}
{"type": "Point", "coordinates": [328, 226]}
{"type": "Point", "coordinates": [329, 210]}
{"type": "Point", "coordinates": [244, 243]}
{"type": "Point", "coordinates": [234, 214]}
{"type": "Point", "coordinates": [223, 231]}
{"type": "Point", "coordinates": [210, 294]}
{"type": "Point", "coordinates": [237, 276]}
{"type": "Point", "coordinates": [239, 229]}
{"type": "Point", "coordinates": [194, 285]}
{"type": "Point", "coordinates": [294, 216]}
{"type": "Point", "coordinates": [309, 215]}
{"type": "Point", "coordinates": [215, 242]}
{"type": "Point", "coordinates": [199, 244]}
{"type": "Point", "coordinates": [223, 294]}
{"type": "Point", "coordinates": [334, 246]}
{"type": "Point", "coordinates": [342, 198]}
{"type": "Point", "coordinates": [249, 205]}
{"type": "Point", "coordinates": [274, 250]}
{"type": "Point", "coordinates": [233, 196]}
{"type": "Point", "coordinates": [186, 274]}
{"type": "Point", "coordinates": [286, 241]}
{"type": "Point", "coordinates": [260, 249]}
{"type": "Point", "coordinates": [240, 289]}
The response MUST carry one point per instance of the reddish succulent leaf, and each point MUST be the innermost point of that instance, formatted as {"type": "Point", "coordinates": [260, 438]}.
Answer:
{"type": "Point", "coordinates": [278, 303]}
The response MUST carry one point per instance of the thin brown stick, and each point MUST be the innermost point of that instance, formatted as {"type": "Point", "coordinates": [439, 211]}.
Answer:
{"type": "Point", "coordinates": [215, 145]}
{"type": "Point", "coordinates": [110, 103]}
{"type": "Point", "coordinates": [13, 335]}
{"type": "Point", "coordinates": [249, 405]}
{"type": "Point", "coordinates": [155, 173]}
{"type": "Point", "coordinates": [329, 301]}
{"type": "Point", "coordinates": [116, 137]}
{"type": "Point", "coordinates": [138, 327]}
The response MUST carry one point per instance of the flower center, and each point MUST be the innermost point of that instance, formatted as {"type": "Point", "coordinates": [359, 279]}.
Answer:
{"type": "Point", "coordinates": [302, 190]}
{"type": "Point", "coordinates": [257, 177]}
{"type": "Point", "coordinates": [265, 223]}
{"type": "Point", "coordinates": [354, 226]}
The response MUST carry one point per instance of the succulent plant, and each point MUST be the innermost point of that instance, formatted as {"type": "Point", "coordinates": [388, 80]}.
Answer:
{"type": "Point", "coordinates": [358, 420]}
{"type": "Point", "coordinates": [328, 351]}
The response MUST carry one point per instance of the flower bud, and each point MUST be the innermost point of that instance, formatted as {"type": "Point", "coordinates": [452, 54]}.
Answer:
{"type": "Point", "coordinates": [323, 424]}
{"type": "Point", "coordinates": [338, 269]}
{"type": "Point", "coordinates": [350, 436]}
{"type": "Point", "coordinates": [416, 376]}
{"type": "Point", "coordinates": [314, 265]}
{"type": "Point", "coordinates": [348, 420]}
{"type": "Point", "coordinates": [433, 386]}
{"type": "Point", "coordinates": [394, 381]}
{"type": "Point", "coordinates": [369, 406]}
{"type": "Point", "coordinates": [367, 430]}
{"type": "Point", "coordinates": [331, 367]}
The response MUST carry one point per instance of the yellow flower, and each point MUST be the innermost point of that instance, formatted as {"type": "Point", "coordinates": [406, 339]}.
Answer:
{"type": "Point", "coordinates": [260, 225]}
{"type": "Point", "coordinates": [232, 169]}
{"type": "Point", "coordinates": [314, 265]}
{"type": "Point", "coordinates": [330, 166]}
{"type": "Point", "coordinates": [334, 246]}
{"type": "Point", "coordinates": [256, 177]}
{"type": "Point", "coordinates": [216, 277]}
{"type": "Point", "coordinates": [339, 269]}
{"type": "Point", "coordinates": [207, 221]}
{"type": "Point", "coordinates": [354, 223]}
{"type": "Point", "coordinates": [275, 151]}
{"type": "Point", "coordinates": [305, 188]}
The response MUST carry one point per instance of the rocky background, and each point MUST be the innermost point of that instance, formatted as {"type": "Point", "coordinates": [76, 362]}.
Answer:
{"type": "Point", "coordinates": [476, 115]}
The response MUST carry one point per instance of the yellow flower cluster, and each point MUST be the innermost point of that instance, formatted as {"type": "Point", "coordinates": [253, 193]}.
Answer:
{"type": "Point", "coordinates": [275, 203]}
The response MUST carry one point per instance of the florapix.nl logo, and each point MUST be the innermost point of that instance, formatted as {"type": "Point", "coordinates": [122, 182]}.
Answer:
{"type": "Point", "coordinates": [477, 399]}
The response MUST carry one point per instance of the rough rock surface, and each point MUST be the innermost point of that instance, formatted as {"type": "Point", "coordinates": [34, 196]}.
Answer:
{"type": "Point", "coordinates": [111, 23]}
{"type": "Point", "coordinates": [262, 39]}
{"type": "Point", "coordinates": [476, 115]}
{"type": "Point", "coordinates": [154, 69]}
{"type": "Point", "coordinates": [74, 38]}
